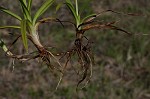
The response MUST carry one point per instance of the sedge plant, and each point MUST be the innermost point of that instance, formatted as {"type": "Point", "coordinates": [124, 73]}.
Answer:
{"type": "Point", "coordinates": [81, 49]}
{"type": "Point", "coordinates": [29, 30]}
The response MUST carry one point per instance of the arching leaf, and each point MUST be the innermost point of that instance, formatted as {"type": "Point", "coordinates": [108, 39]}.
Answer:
{"type": "Point", "coordinates": [10, 13]}
{"type": "Point", "coordinates": [42, 9]}
{"type": "Point", "coordinates": [4, 27]}
{"type": "Point", "coordinates": [87, 18]}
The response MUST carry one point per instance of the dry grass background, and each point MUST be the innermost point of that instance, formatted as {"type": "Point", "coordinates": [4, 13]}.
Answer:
{"type": "Point", "coordinates": [122, 62]}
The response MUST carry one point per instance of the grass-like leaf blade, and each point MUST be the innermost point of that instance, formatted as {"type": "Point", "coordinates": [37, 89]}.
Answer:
{"type": "Point", "coordinates": [68, 1]}
{"type": "Point", "coordinates": [10, 13]}
{"type": "Point", "coordinates": [73, 11]}
{"type": "Point", "coordinates": [4, 27]}
{"type": "Point", "coordinates": [24, 34]}
{"type": "Point", "coordinates": [29, 5]}
{"type": "Point", "coordinates": [25, 2]}
{"type": "Point", "coordinates": [42, 9]}
{"type": "Point", "coordinates": [25, 10]}
{"type": "Point", "coordinates": [77, 10]}
{"type": "Point", "coordinates": [88, 17]}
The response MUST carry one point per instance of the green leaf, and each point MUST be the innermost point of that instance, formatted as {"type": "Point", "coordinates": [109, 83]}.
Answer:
{"type": "Point", "coordinates": [25, 10]}
{"type": "Point", "coordinates": [25, 2]}
{"type": "Point", "coordinates": [88, 17]}
{"type": "Point", "coordinates": [4, 47]}
{"type": "Point", "coordinates": [42, 9]}
{"type": "Point", "coordinates": [29, 5]}
{"type": "Point", "coordinates": [71, 7]}
{"type": "Point", "coordinates": [77, 10]}
{"type": "Point", "coordinates": [73, 11]}
{"type": "Point", "coordinates": [10, 13]}
{"type": "Point", "coordinates": [24, 34]}
{"type": "Point", "coordinates": [68, 1]}
{"type": "Point", "coordinates": [4, 27]}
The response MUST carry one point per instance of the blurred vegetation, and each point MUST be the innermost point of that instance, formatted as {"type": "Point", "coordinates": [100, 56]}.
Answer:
{"type": "Point", "coordinates": [122, 62]}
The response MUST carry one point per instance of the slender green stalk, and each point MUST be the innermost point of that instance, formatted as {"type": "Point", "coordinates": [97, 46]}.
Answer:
{"type": "Point", "coordinates": [76, 3]}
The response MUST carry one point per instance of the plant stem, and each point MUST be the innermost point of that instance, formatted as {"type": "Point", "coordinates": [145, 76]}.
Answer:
{"type": "Point", "coordinates": [77, 12]}
{"type": "Point", "coordinates": [2, 44]}
{"type": "Point", "coordinates": [34, 37]}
